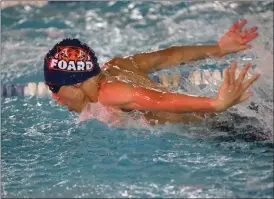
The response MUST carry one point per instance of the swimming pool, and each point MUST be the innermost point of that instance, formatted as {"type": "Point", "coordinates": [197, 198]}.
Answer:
{"type": "Point", "coordinates": [46, 154]}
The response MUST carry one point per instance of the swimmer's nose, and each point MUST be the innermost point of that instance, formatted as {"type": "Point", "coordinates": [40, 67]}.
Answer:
{"type": "Point", "coordinates": [54, 96]}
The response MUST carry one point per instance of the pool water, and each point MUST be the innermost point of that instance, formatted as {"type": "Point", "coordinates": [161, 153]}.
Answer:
{"type": "Point", "coordinates": [46, 153]}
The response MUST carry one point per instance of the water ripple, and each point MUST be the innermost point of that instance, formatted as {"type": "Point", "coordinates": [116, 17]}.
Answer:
{"type": "Point", "coordinates": [45, 154]}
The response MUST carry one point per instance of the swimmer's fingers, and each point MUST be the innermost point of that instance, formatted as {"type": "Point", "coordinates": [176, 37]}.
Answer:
{"type": "Point", "coordinates": [249, 38]}
{"type": "Point", "coordinates": [232, 73]}
{"type": "Point", "coordinates": [241, 25]}
{"type": "Point", "coordinates": [242, 74]}
{"type": "Point", "coordinates": [249, 31]}
{"type": "Point", "coordinates": [249, 82]}
{"type": "Point", "coordinates": [226, 76]}
{"type": "Point", "coordinates": [237, 26]}
{"type": "Point", "coordinates": [245, 96]}
{"type": "Point", "coordinates": [234, 27]}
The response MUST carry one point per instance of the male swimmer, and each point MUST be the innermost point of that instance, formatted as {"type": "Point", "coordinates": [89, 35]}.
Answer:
{"type": "Point", "coordinates": [73, 75]}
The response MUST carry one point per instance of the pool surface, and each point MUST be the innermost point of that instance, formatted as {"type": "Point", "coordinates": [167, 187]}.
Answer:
{"type": "Point", "coordinates": [46, 153]}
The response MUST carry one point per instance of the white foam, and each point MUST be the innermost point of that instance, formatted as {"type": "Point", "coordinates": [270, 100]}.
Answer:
{"type": "Point", "coordinates": [5, 4]}
{"type": "Point", "coordinates": [32, 88]}
{"type": "Point", "coordinates": [216, 76]}
{"type": "Point", "coordinates": [26, 91]}
{"type": "Point", "coordinates": [42, 89]}
{"type": "Point", "coordinates": [206, 76]}
{"type": "Point", "coordinates": [195, 77]}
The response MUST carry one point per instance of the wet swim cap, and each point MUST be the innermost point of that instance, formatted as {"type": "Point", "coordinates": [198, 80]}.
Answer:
{"type": "Point", "coordinates": [70, 62]}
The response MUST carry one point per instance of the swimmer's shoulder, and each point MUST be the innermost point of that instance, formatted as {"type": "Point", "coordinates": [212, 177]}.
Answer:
{"type": "Point", "coordinates": [122, 63]}
{"type": "Point", "coordinates": [114, 93]}
{"type": "Point", "coordinates": [106, 90]}
{"type": "Point", "coordinates": [109, 64]}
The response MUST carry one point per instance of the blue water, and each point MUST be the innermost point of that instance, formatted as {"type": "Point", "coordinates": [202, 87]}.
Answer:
{"type": "Point", "coordinates": [44, 153]}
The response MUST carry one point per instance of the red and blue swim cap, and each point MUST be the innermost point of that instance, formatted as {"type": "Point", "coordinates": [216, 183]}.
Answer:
{"type": "Point", "coordinates": [69, 62]}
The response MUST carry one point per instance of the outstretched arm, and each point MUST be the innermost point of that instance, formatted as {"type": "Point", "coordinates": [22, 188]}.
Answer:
{"type": "Point", "coordinates": [232, 41]}
{"type": "Point", "coordinates": [231, 92]}
{"type": "Point", "coordinates": [171, 57]}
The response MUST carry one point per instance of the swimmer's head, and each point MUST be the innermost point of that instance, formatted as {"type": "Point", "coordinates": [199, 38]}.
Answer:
{"type": "Point", "coordinates": [69, 62]}
{"type": "Point", "coordinates": [68, 68]}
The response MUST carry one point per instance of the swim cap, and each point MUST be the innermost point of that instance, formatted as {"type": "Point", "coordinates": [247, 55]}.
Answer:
{"type": "Point", "coordinates": [70, 62]}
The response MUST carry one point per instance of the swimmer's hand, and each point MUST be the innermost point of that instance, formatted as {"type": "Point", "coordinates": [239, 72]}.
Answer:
{"type": "Point", "coordinates": [237, 39]}
{"type": "Point", "coordinates": [233, 91]}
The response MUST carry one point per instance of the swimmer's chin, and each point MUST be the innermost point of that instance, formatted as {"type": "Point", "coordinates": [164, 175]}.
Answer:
{"type": "Point", "coordinates": [71, 110]}
{"type": "Point", "coordinates": [75, 110]}
{"type": "Point", "coordinates": [79, 109]}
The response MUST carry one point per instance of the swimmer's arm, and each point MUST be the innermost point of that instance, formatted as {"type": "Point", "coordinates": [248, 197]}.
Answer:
{"type": "Point", "coordinates": [234, 40]}
{"type": "Point", "coordinates": [122, 95]}
{"type": "Point", "coordinates": [167, 58]}
{"type": "Point", "coordinates": [231, 92]}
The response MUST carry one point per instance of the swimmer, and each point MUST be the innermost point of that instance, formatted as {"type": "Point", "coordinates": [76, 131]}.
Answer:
{"type": "Point", "coordinates": [73, 75]}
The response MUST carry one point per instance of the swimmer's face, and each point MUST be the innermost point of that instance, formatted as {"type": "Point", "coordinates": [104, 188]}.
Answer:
{"type": "Point", "coordinates": [72, 97]}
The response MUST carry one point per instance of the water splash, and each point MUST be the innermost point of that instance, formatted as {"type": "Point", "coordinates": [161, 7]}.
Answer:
{"type": "Point", "coordinates": [76, 151]}
{"type": "Point", "coordinates": [113, 117]}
